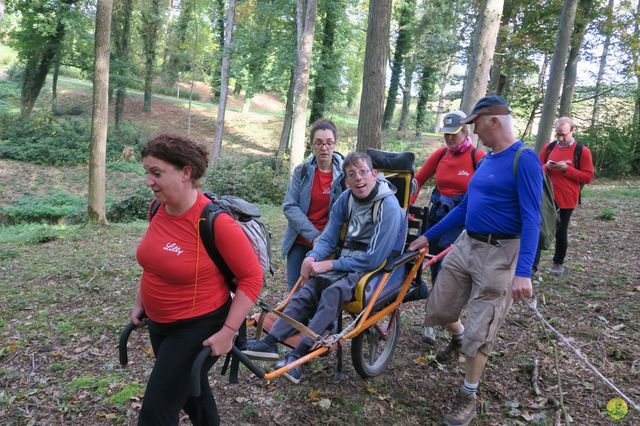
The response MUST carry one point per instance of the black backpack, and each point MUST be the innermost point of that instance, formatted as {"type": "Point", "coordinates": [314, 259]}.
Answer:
{"type": "Point", "coordinates": [246, 215]}
{"type": "Point", "coordinates": [577, 155]}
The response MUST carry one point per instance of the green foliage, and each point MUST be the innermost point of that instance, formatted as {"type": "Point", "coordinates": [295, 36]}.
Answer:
{"type": "Point", "coordinates": [54, 205]}
{"type": "Point", "coordinates": [255, 181]}
{"type": "Point", "coordinates": [8, 56]}
{"type": "Point", "coordinates": [43, 139]}
{"type": "Point", "coordinates": [608, 214]}
{"type": "Point", "coordinates": [9, 94]}
{"type": "Point", "coordinates": [615, 150]}
{"type": "Point", "coordinates": [122, 166]}
{"type": "Point", "coordinates": [126, 393]}
{"type": "Point", "coordinates": [133, 207]}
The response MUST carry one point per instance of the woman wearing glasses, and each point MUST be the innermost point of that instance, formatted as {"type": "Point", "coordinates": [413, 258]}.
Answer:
{"type": "Point", "coordinates": [314, 187]}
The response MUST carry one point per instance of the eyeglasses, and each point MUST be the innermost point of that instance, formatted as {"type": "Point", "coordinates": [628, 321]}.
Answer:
{"type": "Point", "coordinates": [328, 144]}
{"type": "Point", "coordinates": [361, 173]}
{"type": "Point", "coordinates": [560, 135]}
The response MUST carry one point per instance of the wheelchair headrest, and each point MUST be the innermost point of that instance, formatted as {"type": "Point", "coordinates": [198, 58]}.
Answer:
{"type": "Point", "coordinates": [382, 160]}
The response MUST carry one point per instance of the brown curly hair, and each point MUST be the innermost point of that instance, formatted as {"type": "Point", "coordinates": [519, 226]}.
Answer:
{"type": "Point", "coordinates": [178, 151]}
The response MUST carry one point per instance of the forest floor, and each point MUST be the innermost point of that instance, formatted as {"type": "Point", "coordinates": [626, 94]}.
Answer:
{"type": "Point", "coordinates": [66, 291]}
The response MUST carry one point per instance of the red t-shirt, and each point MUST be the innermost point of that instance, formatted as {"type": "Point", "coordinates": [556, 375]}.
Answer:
{"type": "Point", "coordinates": [452, 172]}
{"type": "Point", "coordinates": [179, 279]}
{"type": "Point", "coordinates": [566, 185]}
{"type": "Point", "coordinates": [318, 213]}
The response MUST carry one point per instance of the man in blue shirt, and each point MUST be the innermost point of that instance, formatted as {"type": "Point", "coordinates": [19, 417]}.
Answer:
{"type": "Point", "coordinates": [489, 267]}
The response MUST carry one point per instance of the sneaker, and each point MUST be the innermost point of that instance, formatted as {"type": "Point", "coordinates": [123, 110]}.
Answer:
{"type": "Point", "coordinates": [259, 349]}
{"type": "Point", "coordinates": [429, 335]}
{"type": "Point", "coordinates": [557, 269]}
{"type": "Point", "coordinates": [463, 409]}
{"type": "Point", "coordinates": [449, 353]}
{"type": "Point", "coordinates": [294, 374]}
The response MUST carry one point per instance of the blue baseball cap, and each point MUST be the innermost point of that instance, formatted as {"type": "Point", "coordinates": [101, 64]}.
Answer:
{"type": "Point", "coordinates": [489, 105]}
{"type": "Point", "coordinates": [451, 122]}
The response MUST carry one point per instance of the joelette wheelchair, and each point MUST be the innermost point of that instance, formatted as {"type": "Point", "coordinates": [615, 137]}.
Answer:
{"type": "Point", "coordinates": [373, 315]}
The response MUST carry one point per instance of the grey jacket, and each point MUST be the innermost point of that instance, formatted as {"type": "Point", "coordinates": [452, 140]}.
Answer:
{"type": "Point", "coordinates": [298, 197]}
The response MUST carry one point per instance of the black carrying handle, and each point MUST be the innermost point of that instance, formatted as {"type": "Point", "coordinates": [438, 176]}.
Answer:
{"type": "Point", "coordinates": [122, 346]}
{"type": "Point", "coordinates": [201, 358]}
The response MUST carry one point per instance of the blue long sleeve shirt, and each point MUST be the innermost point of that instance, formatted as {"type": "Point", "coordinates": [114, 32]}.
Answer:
{"type": "Point", "coordinates": [499, 203]}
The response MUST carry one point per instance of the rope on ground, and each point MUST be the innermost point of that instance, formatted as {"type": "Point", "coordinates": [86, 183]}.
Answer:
{"type": "Point", "coordinates": [533, 307]}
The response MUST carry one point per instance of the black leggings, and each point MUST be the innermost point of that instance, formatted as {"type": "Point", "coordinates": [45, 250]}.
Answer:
{"type": "Point", "coordinates": [562, 239]}
{"type": "Point", "coordinates": [176, 346]}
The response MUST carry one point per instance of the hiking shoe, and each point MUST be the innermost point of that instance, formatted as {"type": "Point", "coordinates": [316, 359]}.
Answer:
{"type": "Point", "coordinates": [429, 335]}
{"type": "Point", "coordinates": [294, 374]}
{"type": "Point", "coordinates": [259, 349]}
{"type": "Point", "coordinates": [557, 269]}
{"type": "Point", "coordinates": [463, 409]}
{"type": "Point", "coordinates": [450, 352]}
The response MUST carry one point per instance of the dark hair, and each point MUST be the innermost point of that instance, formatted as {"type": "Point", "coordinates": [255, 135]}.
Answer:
{"type": "Point", "coordinates": [323, 124]}
{"type": "Point", "coordinates": [356, 157]}
{"type": "Point", "coordinates": [179, 151]}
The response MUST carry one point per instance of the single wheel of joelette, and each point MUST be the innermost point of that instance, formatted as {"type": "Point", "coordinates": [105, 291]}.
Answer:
{"type": "Point", "coordinates": [372, 350]}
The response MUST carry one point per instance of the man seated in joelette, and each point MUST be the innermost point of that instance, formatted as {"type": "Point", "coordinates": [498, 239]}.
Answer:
{"type": "Point", "coordinates": [368, 242]}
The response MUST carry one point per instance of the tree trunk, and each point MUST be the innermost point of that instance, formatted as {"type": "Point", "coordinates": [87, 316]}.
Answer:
{"type": "Point", "coordinates": [215, 75]}
{"type": "Point", "coordinates": [539, 98]}
{"type": "Point", "coordinates": [501, 42]}
{"type": "Point", "coordinates": [426, 88]}
{"type": "Point", "coordinates": [100, 117]}
{"type": "Point", "coordinates": [571, 70]}
{"type": "Point", "coordinates": [166, 57]}
{"type": "Point", "coordinates": [406, 97]}
{"type": "Point", "coordinates": [1, 10]}
{"type": "Point", "coordinates": [122, 47]}
{"type": "Point", "coordinates": [54, 87]}
{"type": "Point", "coordinates": [603, 64]}
{"type": "Point", "coordinates": [325, 65]}
{"type": "Point", "coordinates": [301, 96]}
{"type": "Point", "coordinates": [403, 44]}
{"type": "Point", "coordinates": [288, 114]}
{"type": "Point", "coordinates": [37, 68]}
{"type": "Point", "coordinates": [558, 63]}
{"type": "Point", "coordinates": [485, 35]}
{"type": "Point", "coordinates": [373, 80]}
{"type": "Point", "coordinates": [443, 85]}
{"type": "Point", "coordinates": [224, 81]}
{"type": "Point", "coordinates": [150, 39]}
{"type": "Point", "coordinates": [192, 65]}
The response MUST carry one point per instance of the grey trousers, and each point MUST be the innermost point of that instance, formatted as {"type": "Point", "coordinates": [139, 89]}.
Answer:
{"type": "Point", "coordinates": [316, 305]}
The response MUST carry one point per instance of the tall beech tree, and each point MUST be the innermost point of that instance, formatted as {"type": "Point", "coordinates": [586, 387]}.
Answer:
{"type": "Point", "coordinates": [484, 43]}
{"type": "Point", "coordinates": [224, 80]}
{"type": "Point", "coordinates": [407, 12]}
{"type": "Point", "coordinates": [584, 15]}
{"type": "Point", "coordinates": [100, 114]}
{"type": "Point", "coordinates": [121, 25]}
{"type": "Point", "coordinates": [301, 90]}
{"type": "Point", "coordinates": [607, 30]}
{"type": "Point", "coordinates": [39, 40]}
{"type": "Point", "coordinates": [558, 62]}
{"type": "Point", "coordinates": [373, 81]}
{"type": "Point", "coordinates": [149, 30]}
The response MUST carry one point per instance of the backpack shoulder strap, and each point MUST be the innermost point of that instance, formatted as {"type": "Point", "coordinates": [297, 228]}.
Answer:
{"type": "Point", "coordinates": [577, 155]}
{"type": "Point", "coordinates": [442, 154]}
{"type": "Point", "coordinates": [209, 214]}
{"type": "Point", "coordinates": [516, 158]}
{"type": "Point", "coordinates": [473, 157]}
{"type": "Point", "coordinates": [550, 148]}
{"type": "Point", "coordinates": [153, 208]}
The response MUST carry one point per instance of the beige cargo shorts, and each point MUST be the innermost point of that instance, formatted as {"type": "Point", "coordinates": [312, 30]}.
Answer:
{"type": "Point", "coordinates": [477, 275]}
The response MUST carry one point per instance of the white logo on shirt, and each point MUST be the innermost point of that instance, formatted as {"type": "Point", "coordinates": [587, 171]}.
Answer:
{"type": "Point", "coordinates": [173, 247]}
{"type": "Point", "coordinates": [463, 173]}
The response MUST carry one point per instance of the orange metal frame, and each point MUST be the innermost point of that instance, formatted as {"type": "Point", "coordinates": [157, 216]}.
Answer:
{"type": "Point", "coordinates": [367, 319]}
